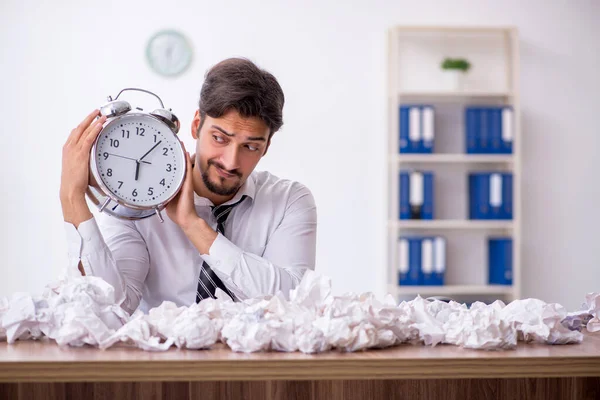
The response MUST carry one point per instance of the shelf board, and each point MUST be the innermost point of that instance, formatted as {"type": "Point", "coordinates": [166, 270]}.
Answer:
{"type": "Point", "coordinates": [453, 29]}
{"type": "Point", "coordinates": [453, 158]}
{"type": "Point", "coordinates": [454, 94]}
{"type": "Point", "coordinates": [447, 290]}
{"type": "Point", "coordinates": [451, 224]}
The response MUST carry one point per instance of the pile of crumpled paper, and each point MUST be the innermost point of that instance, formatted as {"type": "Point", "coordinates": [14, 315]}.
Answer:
{"type": "Point", "coordinates": [83, 310]}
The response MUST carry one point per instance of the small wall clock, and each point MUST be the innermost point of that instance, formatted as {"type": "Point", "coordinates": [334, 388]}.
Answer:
{"type": "Point", "coordinates": [169, 53]}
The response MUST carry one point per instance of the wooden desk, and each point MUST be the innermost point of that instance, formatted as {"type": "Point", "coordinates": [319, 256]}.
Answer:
{"type": "Point", "coordinates": [31, 370]}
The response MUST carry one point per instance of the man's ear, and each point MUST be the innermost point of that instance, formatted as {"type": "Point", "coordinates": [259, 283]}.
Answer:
{"type": "Point", "coordinates": [196, 122]}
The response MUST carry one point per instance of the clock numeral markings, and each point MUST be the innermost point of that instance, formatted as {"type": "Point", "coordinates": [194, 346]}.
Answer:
{"type": "Point", "coordinates": [105, 154]}
{"type": "Point", "coordinates": [165, 151]}
{"type": "Point", "coordinates": [168, 167]}
{"type": "Point", "coordinates": [114, 143]}
{"type": "Point", "coordinates": [134, 193]}
{"type": "Point", "coordinates": [125, 132]}
{"type": "Point", "coordinates": [140, 131]}
{"type": "Point", "coordinates": [120, 184]}
{"type": "Point", "coordinates": [154, 138]}
{"type": "Point", "coordinates": [109, 172]}
{"type": "Point", "coordinates": [150, 191]}
{"type": "Point", "coordinates": [162, 182]}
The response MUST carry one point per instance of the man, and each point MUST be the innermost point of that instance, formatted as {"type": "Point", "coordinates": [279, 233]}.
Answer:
{"type": "Point", "coordinates": [245, 232]}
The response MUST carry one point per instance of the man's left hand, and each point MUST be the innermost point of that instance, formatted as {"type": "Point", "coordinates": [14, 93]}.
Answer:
{"type": "Point", "coordinates": [181, 209]}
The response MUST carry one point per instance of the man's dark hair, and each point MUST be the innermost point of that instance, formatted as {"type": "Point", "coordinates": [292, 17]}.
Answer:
{"type": "Point", "coordinates": [237, 83]}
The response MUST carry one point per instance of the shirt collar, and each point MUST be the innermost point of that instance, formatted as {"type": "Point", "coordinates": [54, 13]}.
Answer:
{"type": "Point", "coordinates": [248, 189]}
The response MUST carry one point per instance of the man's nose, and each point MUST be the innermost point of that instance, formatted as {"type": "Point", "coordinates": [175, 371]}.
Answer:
{"type": "Point", "coordinates": [230, 158]}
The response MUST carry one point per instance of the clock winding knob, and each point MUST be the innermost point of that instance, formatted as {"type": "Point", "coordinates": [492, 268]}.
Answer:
{"type": "Point", "coordinates": [168, 118]}
{"type": "Point", "coordinates": [115, 108]}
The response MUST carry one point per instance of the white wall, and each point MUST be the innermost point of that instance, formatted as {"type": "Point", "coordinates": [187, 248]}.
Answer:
{"type": "Point", "coordinates": [61, 59]}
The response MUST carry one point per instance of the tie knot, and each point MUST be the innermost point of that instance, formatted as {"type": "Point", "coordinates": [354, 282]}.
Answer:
{"type": "Point", "coordinates": [222, 212]}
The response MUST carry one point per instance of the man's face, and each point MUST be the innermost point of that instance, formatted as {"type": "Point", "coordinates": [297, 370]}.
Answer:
{"type": "Point", "coordinates": [228, 149]}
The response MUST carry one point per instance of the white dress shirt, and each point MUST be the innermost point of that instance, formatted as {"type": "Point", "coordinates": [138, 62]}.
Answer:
{"type": "Point", "coordinates": [269, 242]}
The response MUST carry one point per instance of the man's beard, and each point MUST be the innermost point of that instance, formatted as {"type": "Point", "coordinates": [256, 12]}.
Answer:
{"type": "Point", "coordinates": [217, 189]}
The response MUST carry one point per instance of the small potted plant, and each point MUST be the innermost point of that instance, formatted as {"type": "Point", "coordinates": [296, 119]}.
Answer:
{"type": "Point", "coordinates": [454, 71]}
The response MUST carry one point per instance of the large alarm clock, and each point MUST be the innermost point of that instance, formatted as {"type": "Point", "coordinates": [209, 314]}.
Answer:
{"type": "Point", "coordinates": [137, 163]}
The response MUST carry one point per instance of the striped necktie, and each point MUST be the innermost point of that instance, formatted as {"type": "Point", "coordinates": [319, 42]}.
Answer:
{"type": "Point", "coordinates": [208, 282]}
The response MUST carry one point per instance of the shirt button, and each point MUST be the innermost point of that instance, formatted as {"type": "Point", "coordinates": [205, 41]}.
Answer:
{"type": "Point", "coordinates": [218, 263]}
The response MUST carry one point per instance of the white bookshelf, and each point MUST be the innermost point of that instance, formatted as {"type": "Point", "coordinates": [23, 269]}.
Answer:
{"type": "Point", "coordinates": [414, 58]}
{"type": "Point", "coordinates": [449, 224]}
{"type": "Point", "coordinates": [449, 96]}
{"type": "Point", "coordinates": [452, 158]}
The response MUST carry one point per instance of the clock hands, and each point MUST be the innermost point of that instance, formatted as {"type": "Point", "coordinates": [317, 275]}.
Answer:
{"type": "Point", "coordinates": [148, 152]}
{"type": "Point", "coordinates": [138, 161]}
{"type": "Point", "coordinates": [137, 169]}
{"type": "Point", "coordinates": [129, 158]}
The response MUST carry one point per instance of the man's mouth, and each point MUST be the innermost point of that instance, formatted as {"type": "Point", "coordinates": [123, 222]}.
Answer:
{"type": "Point", "coordinates": [224, 173]}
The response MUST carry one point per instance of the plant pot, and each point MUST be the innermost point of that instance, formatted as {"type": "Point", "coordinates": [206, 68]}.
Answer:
{"type": "Point", "coordinates": [453, 80]}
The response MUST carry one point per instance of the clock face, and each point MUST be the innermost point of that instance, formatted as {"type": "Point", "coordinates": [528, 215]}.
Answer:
{"type": "Point", "coordinates": [169, 53]}
{"type": "Point", "coordinates": [139, 160]}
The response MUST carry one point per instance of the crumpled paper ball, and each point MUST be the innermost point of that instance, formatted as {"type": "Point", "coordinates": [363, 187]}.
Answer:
{"type": "Point", "coordinates": [592, 301]}
{"type": "Point", "coordinates": [75, 311]}
{"type": "Point", "coordinates": [81, 311]}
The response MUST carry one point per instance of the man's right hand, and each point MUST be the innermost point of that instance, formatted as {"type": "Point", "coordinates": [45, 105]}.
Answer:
{"type": "Point", "coordinates": [75, 169]}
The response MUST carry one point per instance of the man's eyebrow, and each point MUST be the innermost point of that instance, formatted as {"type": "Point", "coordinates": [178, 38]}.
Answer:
{"type": "Point", "coordinates": [257, 138]}
{"type": "Point", "coordinates": [223, 130]}
{"type": "Point", "coordinates": [233, 134]}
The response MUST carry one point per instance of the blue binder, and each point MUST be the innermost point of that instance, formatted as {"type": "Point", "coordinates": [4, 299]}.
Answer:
{"type": "Point", "coordinates": [404, 186]}
{"type": "Point", "coordinates": [403, 263]}
{"type": "Point", "coordinates": [404, 148]}
{"type": "Point", "coordinates": [484, 130]}
{"type": "Point", "coordinates": [507, 195]}
{"type": "Point", "coordinates": [479, 195]}
{"type": "Point", "coordinates": [428, 196]}
{"type": "Point", "coordinates": [495, 128]}
{"type": "Point", "coordinates": [414, 260]}
{"type": "Point", "coordinates": [472, 185]}
{"type": "Point", "coordinates": [416, 193]}
{"type": "Point", "coordinates": [496, 195]}
{"type": "Point", "coordinates": [506, 146]}
{"type": "Point", "coordinates": [500, 256]}
{"type": "Point", "coordinates": [428, 276]}
{"type": "Point", "coordinates": [407, 145]}
{"type": "Point", "coordinates": [427, 138]}
{"type": "Point", "coordinates": [483, 196]}
{"type": "Point", "coordinates": [471, 126]}
{"type": "Point", "coordinates": [439, 260]}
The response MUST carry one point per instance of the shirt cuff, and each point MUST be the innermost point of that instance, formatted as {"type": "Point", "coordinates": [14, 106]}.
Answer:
{"type": "Point", "coordinates": [83, 241]}
{"type": "Point", "coordinates": [223, 255]}
{"type": "Point", "coordinates": [92, 240]}
{"type": "Point", "coordinates": [73, 241]}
